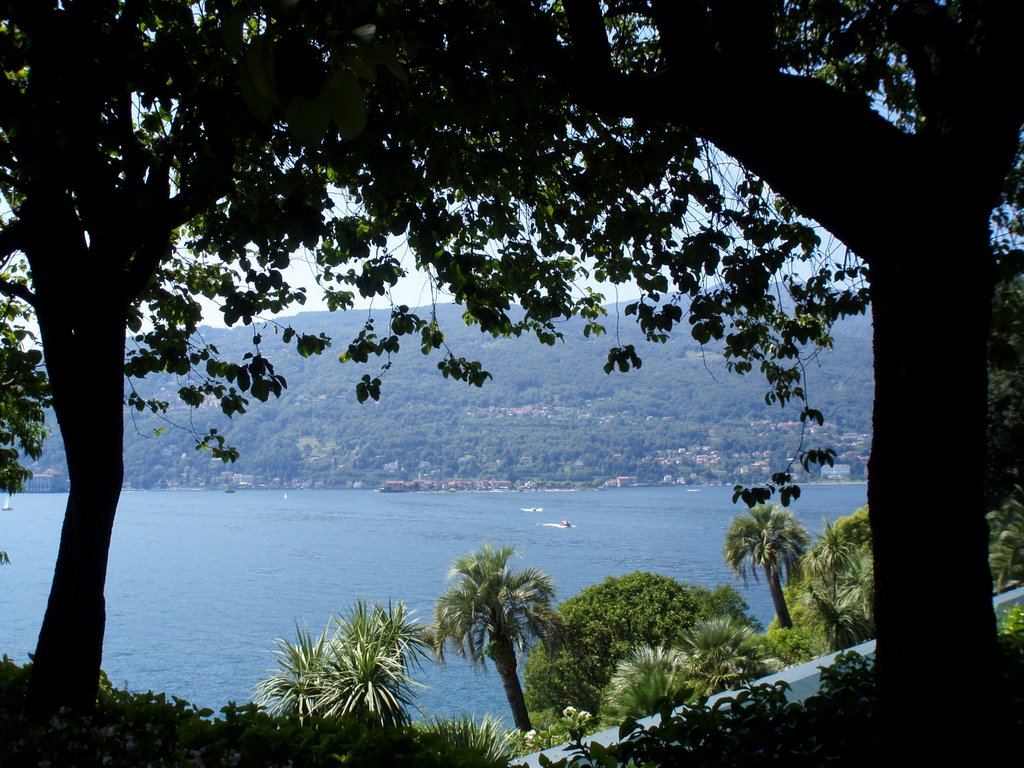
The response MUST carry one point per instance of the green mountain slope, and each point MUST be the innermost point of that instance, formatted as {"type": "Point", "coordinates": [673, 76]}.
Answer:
{"type": "Point", "coordinates": [548, 415]}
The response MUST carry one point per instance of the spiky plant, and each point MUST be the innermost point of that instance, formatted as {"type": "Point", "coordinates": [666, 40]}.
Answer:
{"type": "Point", "coordinates": [1006, 544]}
{"type": "Point", "coordinates": [362, 670]}
{"type": "Point", "coordinates": [842, 601]}
{"type": "Point", "coordinates": [368, 671]}
{"type": "Point", "coordinates": [296, 686]}
{"type": "Point", "coordinates": [488, 736]}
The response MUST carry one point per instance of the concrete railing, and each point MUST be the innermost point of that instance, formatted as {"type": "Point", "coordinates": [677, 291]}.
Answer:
{"type": "Point", "coordinates": [803, 681]}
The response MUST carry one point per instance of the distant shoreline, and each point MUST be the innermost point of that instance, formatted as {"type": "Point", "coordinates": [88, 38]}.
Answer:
{"type": "Point", "coordinates": [460, 489]}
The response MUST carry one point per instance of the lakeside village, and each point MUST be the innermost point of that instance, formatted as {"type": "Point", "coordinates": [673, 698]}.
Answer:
{"type": "Point", "coordinates": [835, 473]}
{"type": "Point", "coordinates": [696, 465]}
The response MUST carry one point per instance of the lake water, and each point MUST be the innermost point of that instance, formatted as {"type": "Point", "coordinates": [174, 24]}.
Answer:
{"type": "Point", "coordinates": [201, 582]}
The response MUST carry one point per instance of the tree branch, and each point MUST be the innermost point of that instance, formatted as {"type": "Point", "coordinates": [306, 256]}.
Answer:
{"type": "Point", "coordinates": [865, 162]}
{"type": "Point", "coordinates": [17, 291]}
{"type": "Point", "coordinates": [588, 38]}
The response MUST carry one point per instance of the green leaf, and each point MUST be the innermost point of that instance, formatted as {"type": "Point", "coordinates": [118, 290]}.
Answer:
{"type": "Point", "coordinates": [232, 30]}
{"type": "Point", "coordinates": [308, 118]}
{"type": "Point", "coordinates": [259, 67]}
{"type": "Point", "coordinates": [347, 104]}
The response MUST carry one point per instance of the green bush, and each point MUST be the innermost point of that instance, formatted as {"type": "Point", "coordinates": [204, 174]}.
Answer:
{"type": "Point", "coordinates": [569, 726]}
{"type": "Point", "coordinates": [604, 622]}
{"type": "Point", "coordinates": [139, 729]}
{"type": "Point", "coordinates": [1011, 632]}
{"type": "Point", "coordinates": [790, 646]}
{"type": "Point", "coordinates": [758, 727]}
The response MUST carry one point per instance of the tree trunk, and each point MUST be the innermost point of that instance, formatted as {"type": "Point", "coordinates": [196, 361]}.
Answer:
{"type": "Point", "coordinates": [83, 343]}
{"type": "Point", "coordinates": [778, 598]}
{"type": "Point", "coordinates": [935, 624]}
{"type": "Point", "coordinates": [505, 663]}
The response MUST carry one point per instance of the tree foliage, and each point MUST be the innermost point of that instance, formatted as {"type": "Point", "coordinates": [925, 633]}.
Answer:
{"type": "Point", "coordinates": [1006, 372]}
{"type": "Point", "coordinates": [605, 622]}
{"type": "Point", "coordinates": [24, 392]}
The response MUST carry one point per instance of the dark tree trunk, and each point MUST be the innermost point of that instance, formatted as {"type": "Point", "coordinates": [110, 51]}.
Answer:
{"type": "Point", "coordinates": [778, 598]}
{"type": "Point", "coordinates": [505, 663]}
{"type": "Point", "coordinates": [926, 487]}
{"type": "Point", "coordinates": [83, 340]}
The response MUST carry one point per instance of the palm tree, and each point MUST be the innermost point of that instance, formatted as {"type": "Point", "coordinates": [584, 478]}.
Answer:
{"type": "Point", "coordinates": [362, 670]}
{"type": "Point", "coordinates": [491, 610]}
{"type": "Point", "coordinates": [721, 653]}
{"type": "Point", "coordinates": [832, 554]}
{"type": "Point", "coordinates": [769, 539]}
{"type": "Point", "coordinates": [843, 602]}
{"type": "Point", "coordinates": [838, 587]}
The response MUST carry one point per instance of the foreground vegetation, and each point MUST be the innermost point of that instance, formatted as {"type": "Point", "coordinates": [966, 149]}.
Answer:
{"type": "Point", "coordinates": [133, 729]}
{"type": "Point", "coordinates": [758, 728]}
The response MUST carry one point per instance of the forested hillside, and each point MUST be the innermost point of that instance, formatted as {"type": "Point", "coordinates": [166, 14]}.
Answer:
{"type": "Point", "coordinates": [549, 414]}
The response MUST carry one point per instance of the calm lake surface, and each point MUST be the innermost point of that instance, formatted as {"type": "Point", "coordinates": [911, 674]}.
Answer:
{"type": "Point", "coordinates": [201, 582]}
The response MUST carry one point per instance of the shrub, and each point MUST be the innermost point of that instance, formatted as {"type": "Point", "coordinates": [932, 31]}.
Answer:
{"type": "Point", "coordinates": [570, 726]}
{"type": "Point", "coordinates": [363, 670]}
{"type": "Point", "coordinates": [132, 729]}
{"type": "Point", "coordinates": [790, 646]}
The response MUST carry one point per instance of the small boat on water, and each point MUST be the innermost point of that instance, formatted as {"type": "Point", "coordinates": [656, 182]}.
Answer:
{"type": "Point", "coordinates": [563, 524]}
{"type": "Point", "coordinates": [531, 509]}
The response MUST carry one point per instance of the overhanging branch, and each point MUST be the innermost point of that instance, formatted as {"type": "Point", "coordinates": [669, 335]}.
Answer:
{"type": "Point", "coordinates": [17, 291]}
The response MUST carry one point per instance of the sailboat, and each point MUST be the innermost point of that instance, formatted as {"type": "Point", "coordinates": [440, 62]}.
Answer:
{"type": "Point", "coordinates": [7, 503]}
